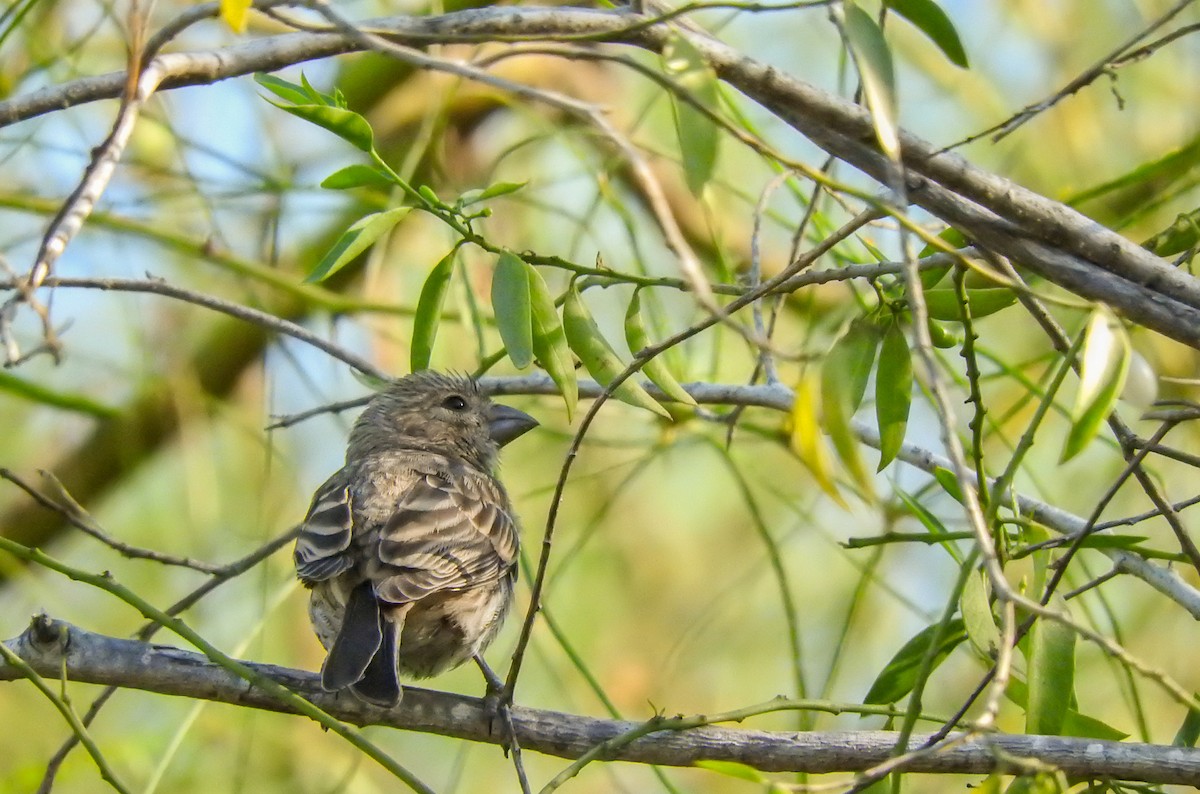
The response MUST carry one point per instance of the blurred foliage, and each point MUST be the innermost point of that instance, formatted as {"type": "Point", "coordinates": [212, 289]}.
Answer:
{"type": "Point", "coordinates": [699, 566]}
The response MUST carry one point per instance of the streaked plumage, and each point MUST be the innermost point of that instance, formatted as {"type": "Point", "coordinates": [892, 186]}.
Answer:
{"type": "Point", "coordinates": [411, 548]}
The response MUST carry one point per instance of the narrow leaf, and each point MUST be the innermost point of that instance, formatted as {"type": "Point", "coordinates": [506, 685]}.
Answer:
{"type": "Point", "coordinates": [288, 91]}
{"type": "Point", "coordinates": [598, 357]}
{"type": "Point", "coordinates": [656, 368]}
{"type": "Point", "coordinates": [806, 438]}
{"type": "Point", "coordinates": [429, 313]}
{"type": "Point", "coordinates": [356, 176]}
{"type": "Point", "coordinates": [1051, 677]}
{"type": "Point", "coordinates": [899, 676]}
{"type": "Point", "coordinates": [491, 191]}
{"type": "Point", "coordinates": [844, 376]}
{"type": "Point", "coordinates": [733, 769]}
{"type": "Point", "coordinates": [550, 342]}
{"type": "Point", "coordinates": [874, 62]}
{"type": "Point", "coordinates": [513, 307]}
{"type": "Point", "coordinates": [893, 392]}
{"type": "Point", "coordinates": [1181, 235]}
{"type": "Point", "coordinates": [943, 303]}
{"type": "Point", "coordinates": [1189, 730]}
{"type": "Point", "coordinates": [978, 620]}
{"type": "Point", "coordinates": [345, 124]}
{"type": "Point", "coordinates": [358, 238]}
{"type": "Point", "coordinates": [698, 136]}
{"type": "Point", "coordinates": [930, 19]}
{"type": "Point", "coordinates": [1105, 364]}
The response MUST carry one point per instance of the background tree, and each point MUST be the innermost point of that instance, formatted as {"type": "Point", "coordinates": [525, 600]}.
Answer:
{"type": "Point", "coordinates": [224, 224]}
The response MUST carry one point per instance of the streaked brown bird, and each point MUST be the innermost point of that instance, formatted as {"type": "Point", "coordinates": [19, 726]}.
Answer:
{"type": "Point", "coordinates": [410, 550]}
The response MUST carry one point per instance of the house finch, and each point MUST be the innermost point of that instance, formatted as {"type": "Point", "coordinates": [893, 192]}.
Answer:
{"type": "Point", "coordinates": [411, 548]}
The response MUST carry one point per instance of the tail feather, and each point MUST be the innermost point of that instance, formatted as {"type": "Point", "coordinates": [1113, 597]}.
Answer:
{"type": "Point", "coordinates": [379, 683]}
{"type": "Point", "coordinates": [357, 643]}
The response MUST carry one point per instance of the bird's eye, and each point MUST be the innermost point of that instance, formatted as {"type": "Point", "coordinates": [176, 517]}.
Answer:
{"type": "Point", "coordinates": [454, 403]}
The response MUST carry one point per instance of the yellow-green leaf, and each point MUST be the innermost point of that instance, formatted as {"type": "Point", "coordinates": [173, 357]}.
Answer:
{"type": "Point", "coordinates": [656, 368]}
{"type": "Point", "coordinates": [345, 124]}
{"type": "Point", "coordinates": [733, 769]}
{"type": "Point", "coordinates": [550, 342]}
{"type": "Point", "coordinates": [1105, 365]}
{"type": "Point", "coordinates": [358, 238]}
{"type": "Point", "coordinates": [874, 62]}
{"type": "Point", "coordinates": [598, 357]}
{"type": "Point", "coordinates": [357, 175]}
{"type": "Point", "coordinates": [978, 620]}
{"type": "Point", "coordinates": [429, 313]}
{"type": "Point", "coordinates": [943, 303]}
{"type": "Point", "coordinates": [513, 308]}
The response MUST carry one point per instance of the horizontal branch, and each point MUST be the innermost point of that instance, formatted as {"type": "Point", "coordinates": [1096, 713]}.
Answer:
{"type": "Point", "coordinates": [98, 659]}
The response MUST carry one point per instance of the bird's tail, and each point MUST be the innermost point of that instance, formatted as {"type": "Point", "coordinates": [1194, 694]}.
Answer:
{"type": "Point", "coordinates": [363, 656]}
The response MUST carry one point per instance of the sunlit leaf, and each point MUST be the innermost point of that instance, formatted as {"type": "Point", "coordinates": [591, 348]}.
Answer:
{"type": "Point", "coordinates": [1189, 730]}
{"type": "Point", "coordinates": [283, 89]}
{"type": "Point", "coordinates": [1105, 364]}
{"type": "Point", "coordinates": [345, 124]}
{"type": "Point", "coordinates": [1181, 235]}
{"type": "Point", "coordinates": [598, 357]}
{"type": "Point", "coordinates": [429, 313]}
{"type": "Point", "coordinates": [513, 308]}
{"type": "Point", "coordinates": [550, 342]}
{"type": "Point", "coordinates": [358, 238]}
{"type": "Point", "coordinates": [807, 440]}
{"type": "Point", "coordinates": [491, 191]}
{"type": "Point", "coordinates": [733, 769]}
{"type": "Point", "coordinates": [656, 368]}
{"type": "Point", "coordinates": [358, 175]}
{"type": "Point", "coordinates": [943, 303]}
{"type": "Point", "coordinates": [899, 676]}
{"type": "Point", "coordinates": [874, 62]}
{"type": "Point", "coordinates": [235, 14]}
{"type": "Point", "coordinates": [931, 20]}
{"type": "Point", "coordinates": [893, 392]}
{"type": "Point", "coordinates": [699, 138]}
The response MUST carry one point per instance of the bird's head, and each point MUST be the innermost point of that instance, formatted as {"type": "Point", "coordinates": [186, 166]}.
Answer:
{"type": "Point", "coordinates": [437, 412]}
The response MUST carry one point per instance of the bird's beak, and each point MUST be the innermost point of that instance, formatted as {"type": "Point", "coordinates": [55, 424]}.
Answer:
{"type": "Point", "coordinates": [507, 424]}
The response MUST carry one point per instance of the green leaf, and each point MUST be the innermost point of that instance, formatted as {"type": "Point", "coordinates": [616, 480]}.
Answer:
{"type": "Point", "coordinates": [1051, 677]}
{"type": "Point", "coordinates": [283, 89]}
{"type": "Point", "coordinates": [369, 381]}
{"type": "Point", "coordinates": [899, 676]}
{"type": "Point", "coordinates": [949, 483]}
{"type": "Point", "coordinates": [35, 392]}
{"type": "Point", "coordinates": [978, 620]}
{"type": "Point", "coordinates": [699, 138]}
{"type": "Point", "coordinates": [358, 238]}
{"type": "Point", "coordinates": [429, 312]}
{"type": "Point", "coordinates": [345, 124]}
{"type": "Point", "coordinates": [955, 239]}
{"type": "Point", "coordinates": [550, 342]}
{"type": "Point", "coordinates": [930, 19]}
{"type": "Point", "coordinates": [1181, 235]}
{"type": "Point", "coordinates": [512, 305]}
{"type": "Point", "coordinates": [874, 62]}
{"type": "Point", "coordinates": [491, 191]}
{"type": "Point", "coordinates": [598, 357]}
{"type": "Point", "coordinates": [1074, 724]}
{"type": "Point", "coordinates": [656, 368]}
{"type": "Point", "coordinates": [893, 392]}
{"type": "Point", "coordinates": [844, 376]}
{"type": "Point", "coordinates": [357, 176]}
{"type": "Point", "coordinates": [733, 769]}
{"type": "Point", "coordinates": [1106, 354]}
{"type": "Point", "coordinates": [943, 302]}
{"type": "Point", "coordinates": [1189, 730]}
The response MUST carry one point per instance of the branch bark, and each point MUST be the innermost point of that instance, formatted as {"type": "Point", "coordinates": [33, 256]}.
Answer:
{"type": "Point", "coordinates": [51, 646]}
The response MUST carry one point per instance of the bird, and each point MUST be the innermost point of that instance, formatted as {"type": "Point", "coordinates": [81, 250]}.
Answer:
{"type": "Point", "coordinates": [410, 549]}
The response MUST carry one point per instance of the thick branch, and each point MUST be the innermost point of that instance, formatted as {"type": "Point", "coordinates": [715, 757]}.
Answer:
{"type": "Point", "coordinates": [98, 659]}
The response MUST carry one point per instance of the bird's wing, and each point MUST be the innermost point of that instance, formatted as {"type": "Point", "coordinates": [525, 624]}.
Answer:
{"type": "Point", "coordinates": [323, 545]}
{"type": "Point", "coordinates": [450, 531]}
